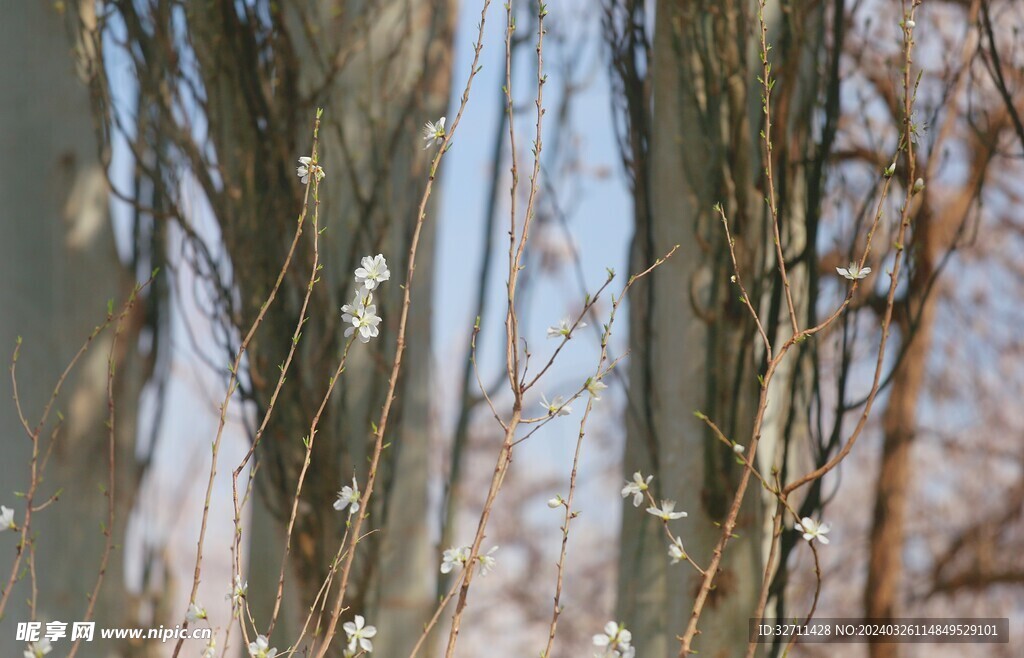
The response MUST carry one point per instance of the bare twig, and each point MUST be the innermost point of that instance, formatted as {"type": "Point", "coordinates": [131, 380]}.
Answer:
{"type": "Point", "coordinates": [378, 443]}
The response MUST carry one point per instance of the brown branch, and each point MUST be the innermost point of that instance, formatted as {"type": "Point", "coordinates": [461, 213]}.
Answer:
{"type": "Point", "coordinates": [232, 385]}
{"type": "Point", "coordinates": [396, 367]}
{"type": "Point", "coordinates": [110, 491]}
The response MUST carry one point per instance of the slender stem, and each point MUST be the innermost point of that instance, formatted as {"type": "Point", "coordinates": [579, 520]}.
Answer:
{"type": "Point", "coordinates": [314, 186]}
{"type": "Point", "coordinates": [707, 584]}
{"type": "Point", "coordinates": [110, 492]}
{"type": "Point", "coordinates": [35, 468]}
{"type": "Point", "coordinates": [233, 385]}
{"type": "Point", "coordinates": [396, 367]}
{"type": "Point", "coordinates": [767, 83]}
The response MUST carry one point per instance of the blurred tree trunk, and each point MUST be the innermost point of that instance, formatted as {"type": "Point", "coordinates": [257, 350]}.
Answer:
{"type": "Point", "coordinates": [899, 426]}
{"type": "Point", "coordinates": [692, 340]}
{"type": "Point", "coordinates": [937, 230]}
{"type": "Point", "coordinates": [59, 267]}
{"type": "Point", "coordinates": [690, 335]}
{"type": "Point", "coordinates": [379, 70]}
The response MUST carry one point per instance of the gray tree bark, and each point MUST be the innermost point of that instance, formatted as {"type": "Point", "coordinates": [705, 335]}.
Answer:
{"type": "Point", "coordinates": [693, 342]}
{"type": "Point", "coordinates": [379, 70]}
{"type": "Point", "coordinates": [59, 267]}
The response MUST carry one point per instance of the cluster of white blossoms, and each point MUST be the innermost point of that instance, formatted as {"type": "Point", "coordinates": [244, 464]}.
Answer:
{"type": "Point", "coordinates": [636, 488]}
{"type": "Point", "coordinates": [459, 556]}
{"type": "Point", "coordinates": [557, 406]}
{"type": "Point", "coordinates": [348, 497]}
{"type": "Point", "coordinates": [261, 648]}
{"type": "Point", "coordinates": [7, 519]}
{"type": "Point", "coordinates": [37, 649]}
{"type": "Point", "coordinates": [359, 634]}
{"type": "Point", "coordinates": [362, 312]}
{"type": "Point", "coordinates": [307, 167]}
{"type": "Point", "coordinates": [615, 642]}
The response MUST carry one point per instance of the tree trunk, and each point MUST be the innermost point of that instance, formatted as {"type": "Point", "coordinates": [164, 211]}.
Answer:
{"type": "Point", "coordinates": [936, 229]}
{"type": "Point", "coordinates": [692, 340]}
{"type": "Point", "coordinates": [59, 267]}
{"type": "Point", "coordinates": [394, 75]}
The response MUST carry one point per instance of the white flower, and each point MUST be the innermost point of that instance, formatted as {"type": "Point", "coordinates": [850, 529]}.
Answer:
{"type": "Point", "coordinates": [487, 561]}
{"type": "Point", "coordinates": [348, 496]}
{"type": "Point", "coordinates": [38, 649]}
{"type": "Point", "coordinates": [453, 557]}
{"type": "Point", "coordinates": [195, 613]}
{"type": "Point", "coordinates": [853, 272]}
{"type": "Point", "coordinates": [261, 648]}
{"type": "Point", "coordinates": [911, 24]}
{"type": "Point", "coordinates": [367, 325]}
{"type": "Point", "coordinates": [211, 649]}
{"type": "Point", "coordinates": [738, 449]}
{"type": "Point", "coordinates": [433, 133]}
{"type": "Point", "coordinates": [238, 591]}
{"type": "Point", "coordinates": [636, 488]}
{"type": "Point", "coordinates": [307, 167]}
{"type": "Point", "coordinates": [563, 328]}
{"type": "Point", "coordinates": [359, 634]}
{"type": "Point", "coordinates": [667, 511]}
{"type": "Point", "coordinates": [595, 387]}
{"type": "Point", "coordinates": [350, 312]}
{"type": "Point", "coordinates": [813, 530]}
{"type": "Point", "coordinates": [7, 519]}
{"type": "Point", "coordinates": [556, 407]}
{"type": "Point", "coordinates": [362, 315]}
{"type": "Point", "coordinates": [676, 551]}
{"type": "Point", "coordinates": [556, 502]}
{"type": "Point", "coordinates": [373, 272]}
{"type": "Point", "coordinates": [615, 641]}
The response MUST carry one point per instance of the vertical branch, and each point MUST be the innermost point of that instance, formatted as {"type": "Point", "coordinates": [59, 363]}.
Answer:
{"type": "Point", "coordinates": [906, 144]}
{"type": "Point", "coordinates": [110, 491]}
{"type": "Point", "coordinates": [233, 384]}
{"type": "Point", "coordinates": [590, 387]}
{"type": "Point", "coordinates": [396, 366]}
{"type": "Point", "coordinates": [467, 400]}
{"type": "Point", "coordinates": [511, 322]}
{"type": "Point", "coordinates": [33, 433]}
{"type": "Point", "coordinates": [767, 83]}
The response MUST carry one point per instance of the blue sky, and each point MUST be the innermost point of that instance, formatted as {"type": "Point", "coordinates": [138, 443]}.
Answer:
{"type": "Point", "coordinates": [596, 203]}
